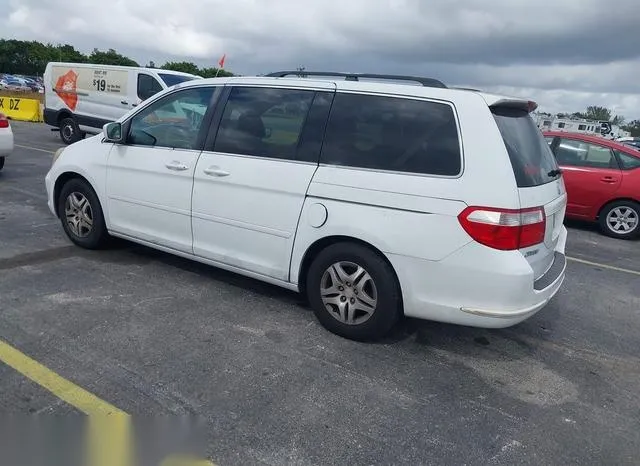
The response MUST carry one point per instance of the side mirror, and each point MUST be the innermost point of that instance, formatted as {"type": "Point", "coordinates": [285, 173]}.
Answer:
{"type": "Point", "coordinates": [112, 132]}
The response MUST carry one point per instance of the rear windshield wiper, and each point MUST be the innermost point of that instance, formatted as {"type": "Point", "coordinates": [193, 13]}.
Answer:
{"type": "Point", "coordinates": [554, 173]}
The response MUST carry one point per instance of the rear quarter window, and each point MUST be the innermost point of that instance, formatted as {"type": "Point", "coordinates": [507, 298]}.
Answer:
{"type": "Point", "coordinates": [628, 162]}
{"type": "Point", "coordinates": [392, 134]}
{"type": "Point", "coordinates": [531, 158]}
{"type": "Point", "coordinates": [173, 79]}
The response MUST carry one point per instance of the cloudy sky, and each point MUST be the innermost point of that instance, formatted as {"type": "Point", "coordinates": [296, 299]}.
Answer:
{"type": "Point", "coordinates": [565, 54]}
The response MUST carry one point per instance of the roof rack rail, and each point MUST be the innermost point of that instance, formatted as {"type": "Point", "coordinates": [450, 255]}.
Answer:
{"type": "Point", "coordinates": [427, 82]}
{"type": "Point", "coordinates": [467, 89]}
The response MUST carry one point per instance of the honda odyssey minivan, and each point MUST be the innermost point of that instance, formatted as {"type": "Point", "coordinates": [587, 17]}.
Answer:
{"type": "Point", "coordinates": [375, 196]}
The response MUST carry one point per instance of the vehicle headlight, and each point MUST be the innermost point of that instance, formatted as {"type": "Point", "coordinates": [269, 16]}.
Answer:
{"type": "Point", "coordinates": [56, 155]}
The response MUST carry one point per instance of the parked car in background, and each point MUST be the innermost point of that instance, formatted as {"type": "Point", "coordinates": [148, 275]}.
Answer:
{"type": "Point", "coordinates": [81, 98]}
{"type": "Point", "coordinates": [6, 139]}
{"type": "Point", "coordinates": [634, 144]}
{"type": "Point", "coordinates": [12, 84]}
{"type": "Point", "coordinates": [357, 194]}
{"type": "Point", "coordinates": [602, 179]}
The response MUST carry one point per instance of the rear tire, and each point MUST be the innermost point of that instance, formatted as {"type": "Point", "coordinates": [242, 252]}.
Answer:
{"type": "Point", "coordinates": [354, 292]}
{"type": "Point", "coordinates": [620, 219]}
{"type": "Point", "coordinates": [69, 131]}
{"type": "Point", "coordinates": [81, 215]}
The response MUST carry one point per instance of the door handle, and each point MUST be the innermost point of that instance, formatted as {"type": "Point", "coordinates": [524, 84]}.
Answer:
{"type": "Point", "coordinates": [124, 102]}
{"type": "Point", "coordinates": [176, 166]}
{"type": "Point", "coordinates": [215, 171]}
{"type": "Point", "coordinates": [608, 179]}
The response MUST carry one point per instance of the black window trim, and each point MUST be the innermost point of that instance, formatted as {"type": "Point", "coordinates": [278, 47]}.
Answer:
{"type": "Point", "coordinates": [214, 124]}
{"type": "Point", "coordinates": [407, 173]}
{"type": "Point", "coordinates": [555, 140]}
{"type": "Point", "coordinates": [206, 121]}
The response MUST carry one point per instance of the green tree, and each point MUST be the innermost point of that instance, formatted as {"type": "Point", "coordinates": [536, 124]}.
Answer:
{"type": "Point", "coordinates": [633, 127]}
{"type": "Point", "coordinates": [182, 66]}
{"type": "Point", "coordinates": [192, 68]}
{"type": "Point", "coordinates": [66, 53]}
{"type": "Point", "coordinates": [595, 112]}
{"type": "Point", "coordinates": [31, 58]}
{"type": "Point", "coordinates": [110, 57]}
{"type": "Point", "coordinates": [618, 120]}
{"type": "Point", "coordinates": [215, 73]}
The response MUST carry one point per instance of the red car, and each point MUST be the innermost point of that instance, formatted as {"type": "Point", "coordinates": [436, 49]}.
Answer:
{"type": "Point", "coordinates": [602, 179]}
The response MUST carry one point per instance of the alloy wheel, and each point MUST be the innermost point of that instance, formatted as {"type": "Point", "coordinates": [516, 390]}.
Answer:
{"type": "Point", "coordinates": [348, 293]}
{"type": "Point", "coordinates": [622, 220]}
{"type": "Point", "coordinates": [78, 214]}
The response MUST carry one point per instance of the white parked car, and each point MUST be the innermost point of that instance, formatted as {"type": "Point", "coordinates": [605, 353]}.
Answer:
{"type": "Point", "coordinates": [374, 199]}
{"type": "Point", "coordinates": [6, 139]}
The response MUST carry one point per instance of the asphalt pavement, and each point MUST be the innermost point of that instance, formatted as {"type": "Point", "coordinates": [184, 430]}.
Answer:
{"type": "Point", "coordinates": [157, 335]}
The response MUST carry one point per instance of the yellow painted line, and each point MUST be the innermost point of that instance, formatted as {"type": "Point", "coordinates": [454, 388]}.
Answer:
{"type": "Point", "coordinates": [35, 148]}
{"type": "Point", "coordinates": [78, 397]}
{"type": "Point", "coordinates": [604, 266]}
{"type": "Point", "coordinates": [110, 434]}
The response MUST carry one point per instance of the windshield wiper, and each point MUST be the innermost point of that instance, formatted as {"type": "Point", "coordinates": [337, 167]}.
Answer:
{"type": "Point", "coordinates": [554, 173]}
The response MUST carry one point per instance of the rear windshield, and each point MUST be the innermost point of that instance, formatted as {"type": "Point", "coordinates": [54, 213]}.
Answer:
{"type": "Point", "coordinates": [173, 79]}
{"type": "Point", "coordinates": [531, 158]}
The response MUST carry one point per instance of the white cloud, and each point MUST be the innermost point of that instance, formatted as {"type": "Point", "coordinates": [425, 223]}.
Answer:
{"type": "Point", "coordinates": [566, 54]}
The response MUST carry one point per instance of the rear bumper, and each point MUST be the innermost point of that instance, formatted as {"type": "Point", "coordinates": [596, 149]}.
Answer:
{"type": "Point", "coordinates": [547, 285]}
{"type": "Point", "coordinates": [477, 286]}
{"type": "Point", "coordinates": [50, 117]}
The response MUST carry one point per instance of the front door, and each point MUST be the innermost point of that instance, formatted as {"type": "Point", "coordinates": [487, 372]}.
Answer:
{"type": "Point", "coordinates": [250, 186]}
{"type": "Point", "coordinates": [591, 175]}
{"type": "Point", "coordinates": [150, 176]}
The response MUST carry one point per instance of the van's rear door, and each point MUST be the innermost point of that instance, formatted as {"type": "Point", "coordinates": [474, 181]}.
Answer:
{"type": "Point", "coordinates": [537, 176]}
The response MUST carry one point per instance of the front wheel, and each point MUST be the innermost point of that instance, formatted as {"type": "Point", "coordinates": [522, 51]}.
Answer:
{"type": "Point", "coordinates": [81, 215]}
{"type": "Point", "coordinates": [621, 219]}
{"type": "Point", "coordinates": [354, 292]}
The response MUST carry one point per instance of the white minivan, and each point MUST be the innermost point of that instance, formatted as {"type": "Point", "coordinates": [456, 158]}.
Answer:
{"type": "Point", "coordinates": [373, 199]}
{"type": "Point", "coordinates": [82, 97]}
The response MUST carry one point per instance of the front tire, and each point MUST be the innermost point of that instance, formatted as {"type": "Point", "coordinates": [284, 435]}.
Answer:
{"type": "Point", "coordinates": [69, 131]}
{"type": "Point", "coordinates": [81, 215]}
{"type": "Point", "coordinates": [621, 219]}
{"type": "Point", "coordinates": [354, 292]}
{"type": "Point", "coordinates": [1, 163]}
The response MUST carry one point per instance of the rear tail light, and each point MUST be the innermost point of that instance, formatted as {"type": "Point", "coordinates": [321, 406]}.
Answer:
{"type": "Point", "coordinates": [504, 229]}
{"type": "Point", "coordinates": [4, 123]}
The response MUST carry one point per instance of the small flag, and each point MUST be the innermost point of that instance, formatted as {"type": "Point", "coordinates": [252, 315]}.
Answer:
{"type": "Point", "coordinates": [221, 62]}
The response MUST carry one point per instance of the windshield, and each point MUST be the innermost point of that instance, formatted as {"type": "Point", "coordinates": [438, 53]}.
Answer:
{"type": "Point", "coordinates": [531, 158]}
{"type": "Point", "coordinates": [173, 79]}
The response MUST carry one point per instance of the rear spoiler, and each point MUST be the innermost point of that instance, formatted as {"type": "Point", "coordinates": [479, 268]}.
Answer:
{"type": "Point", "coordinates": [527, 105]}
{"type": "Point", "coordinates": [494, 101]}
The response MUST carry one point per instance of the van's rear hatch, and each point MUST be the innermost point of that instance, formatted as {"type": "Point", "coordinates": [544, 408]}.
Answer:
{"type": "Point", "coordinates": [537, 176]}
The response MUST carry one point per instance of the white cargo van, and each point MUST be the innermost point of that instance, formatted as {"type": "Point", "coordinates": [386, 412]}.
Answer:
{"type": "Point", "coordinates": [82, 97]}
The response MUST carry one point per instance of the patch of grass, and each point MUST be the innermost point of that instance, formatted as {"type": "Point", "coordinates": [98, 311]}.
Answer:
{"type": "Point", "coordinates": [22, 95]}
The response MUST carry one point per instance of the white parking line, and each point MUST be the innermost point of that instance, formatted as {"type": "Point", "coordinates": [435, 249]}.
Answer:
{"type": "Point", "coordinates": [604, 266]}
{"type": "Point", "coordinates": [35, 148]}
